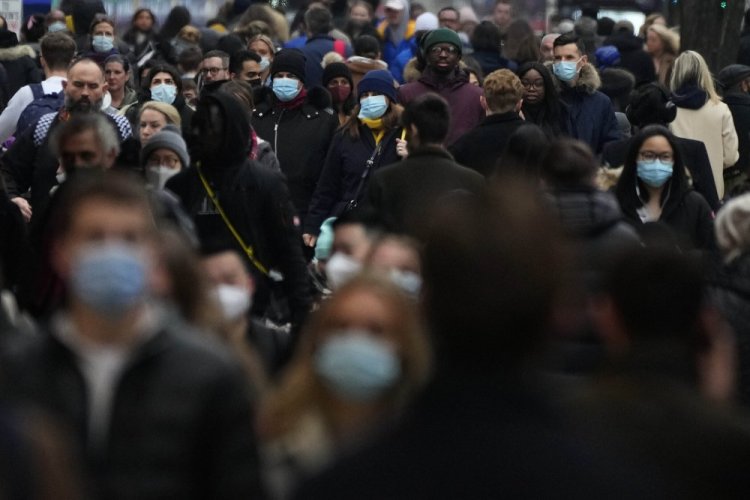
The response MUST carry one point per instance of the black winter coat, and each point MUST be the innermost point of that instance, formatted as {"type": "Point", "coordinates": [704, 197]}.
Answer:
{"type": "Point", "coordinates": [342, 174]}
{"type": "Point", "coordinates": [300, 138]}
{"type": "Point", "coordinates": [688, 216]}
{"type": "Point", "coordinates": [21, 67]}
{"type": "Point", "coordinates": [404, 195]}
{"type": "Point", "coordinates": [254, 198]}
{"type": "Point", "coordinates": [739, 105]}
{"type": "Point", "coordinates": [482, 147]}
{"type": "Point", "coordinates": [181, 416]}
{"type": "Point", "coordinates": [743, 54]}
{"type": "Point", "coordinates": [633, 58]}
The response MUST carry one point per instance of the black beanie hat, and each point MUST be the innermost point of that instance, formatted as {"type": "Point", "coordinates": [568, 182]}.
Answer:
{"type": "Point", "coordinates": [336, 70]}
{"type": "Point", "coordinates": [289, 60]}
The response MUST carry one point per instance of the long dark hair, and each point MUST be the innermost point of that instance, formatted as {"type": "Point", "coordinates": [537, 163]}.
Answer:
{"type": "Point", "coordinates": [548, 114]}
{"type": "Point", "coordinates": [626, 191]}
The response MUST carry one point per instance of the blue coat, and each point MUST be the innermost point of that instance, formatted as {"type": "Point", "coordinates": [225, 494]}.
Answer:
{"type": "Point", "coordinates": [591, 117]}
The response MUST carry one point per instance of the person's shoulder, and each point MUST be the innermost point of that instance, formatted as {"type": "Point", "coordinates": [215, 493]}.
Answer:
{"type": "Point", "coordinates": [193, 349]}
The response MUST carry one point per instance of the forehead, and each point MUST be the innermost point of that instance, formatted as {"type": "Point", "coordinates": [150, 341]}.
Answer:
{"type": "Point", "coordinates": [86, 71]}
{"type": "Point", "coordinates": [223, 263]}
{"type": "Point", "coordinates": [250, 65]}
{"type": "Point", "coordinates": [103, 27]}
{"type": "Point", "coordinates": [360, 308]}
{"type": "Point", "coordinates": [83, 141]}
{"type": "Point", "coordinates": [149, 114]}
{"type": "Point", "coordinates": [656, 143]}
{"type": "Point", "coordinates": [531, 74]}
{"type": "Point", "coordinates": [114, 66]}
{"type": "Point", "coordinates": [448, 15]}
{"type": "Point", "coordinates": [568, 49]}
{"type": "Point", "coordinates": [163, 153]}
{"type": "Point", "coordinates": [212, 62]}
{"type": "Point", "coordinates": [101, 216]}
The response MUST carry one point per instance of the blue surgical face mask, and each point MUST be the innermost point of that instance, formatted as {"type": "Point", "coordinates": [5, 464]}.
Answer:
{"type": "Point", "coordinates": [341, 268]}
{"type": "Point", "coordinates": [654, 173]}
{"type": "Point", "coordinates": [56, 26]}
{"type": "Point", "coordinates": [356, 365]}
{"type": "Point", "coordinates": [264, 63]}
{"type": "Point", "coordinates": [164, 93]}
{"type": "Point", "coordinates": [110, 278]}
{"type": "Point", "coordinates": [565, 70]}
{"type": "Point", "coordinates": [285, 89]}
{"type": "Point", "coordinates": [101, 43]}
{"type": "Point", "coordinates": [373, 107]}
{"type": "Point", "coordinates": [408, 281]}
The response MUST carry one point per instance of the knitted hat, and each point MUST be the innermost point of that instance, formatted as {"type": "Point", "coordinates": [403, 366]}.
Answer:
{"type": "Point", "coordinates": [336, 70]}
{"type": "Point", "coordinates": [607, 56]}
{"type": "Point", "coordinates": [167, 138]}
{"type": "Point", "coordinates": [732, 75]}
{"type": "Point", "coordinates": [732, 227]}
{"type": "Point", "coordinates": [291, 61]}
{"type": "Point", "coordinates": [324, 245]}
{"type": "Point", "coordinates": [441, 35]}
{"type": "Point", "coordinates": [426, 21]}
{"type": "Point", "coordinates": [8, 39]}
{"type": "Point", "coordinates": [380, 81]}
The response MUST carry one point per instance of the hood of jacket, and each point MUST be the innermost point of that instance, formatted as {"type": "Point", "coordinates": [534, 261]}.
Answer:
{"type": "Point", "coordinates": [235, 139]}
{"type": "Point", "coordinates": [359, 64]}
{"type": "Point", "coordinates": [17, 52]}
{"type": "Point", "coordinates": [690, 97]}
{"type": "Point", "coordinates": [584, 211]}
{"type": "Point", "coordinates": [317, 99]}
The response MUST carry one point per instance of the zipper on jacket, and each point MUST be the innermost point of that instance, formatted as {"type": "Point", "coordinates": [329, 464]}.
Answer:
{"type": "Point", "coordinates": [276, 132]}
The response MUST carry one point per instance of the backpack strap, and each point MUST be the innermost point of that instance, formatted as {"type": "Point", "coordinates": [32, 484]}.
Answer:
{"type": "Point", "coordinates": [37, 90]}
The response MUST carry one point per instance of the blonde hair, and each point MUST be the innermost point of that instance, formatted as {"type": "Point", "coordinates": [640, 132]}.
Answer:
{"type": "Point", "coordinates": [669, 39]}
{"type": "Point", "coordinates": [301, 389]}
{"type": "Point", "coordinates": [169, 111]}
{"type": "Point", "coordinates": [690, 67]}
{"type": "Point", "coordinates": [650, 20]}
{"type": "Point", "coordinates": [502, 90]}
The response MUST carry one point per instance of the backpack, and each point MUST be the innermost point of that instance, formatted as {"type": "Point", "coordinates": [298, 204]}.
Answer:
{"type": "Point", "coordinates": [41, 105]}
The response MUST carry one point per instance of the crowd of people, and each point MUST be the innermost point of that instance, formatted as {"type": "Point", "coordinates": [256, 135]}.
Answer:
{"type": "Point", "coordinates": [374, 252]}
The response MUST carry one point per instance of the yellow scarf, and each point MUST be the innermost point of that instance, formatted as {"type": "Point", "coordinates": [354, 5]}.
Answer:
{"type": "Point", "coordinates": [376, 127]}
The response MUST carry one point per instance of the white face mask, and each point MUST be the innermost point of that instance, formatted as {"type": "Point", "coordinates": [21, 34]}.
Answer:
{"type": "Point", "coordinates": [157, 177]}
{"type": "Point", "coordinates": [235, 301]}
{"type": "Point", "coordinates": [340, 268]}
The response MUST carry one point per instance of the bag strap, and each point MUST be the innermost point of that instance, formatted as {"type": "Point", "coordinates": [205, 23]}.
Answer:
{"type": "Point", "coordinates": [37, 91]}
{"type": "Point", "coordinates": [366, 173]}
{"type": "Point", "coordinates": [247, 248]}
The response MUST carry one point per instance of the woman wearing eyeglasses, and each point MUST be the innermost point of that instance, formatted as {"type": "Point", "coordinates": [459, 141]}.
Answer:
{"type": "Point", "coordinates": [541, 102]}
{"type": "Point", "coordinates": [653, 188]}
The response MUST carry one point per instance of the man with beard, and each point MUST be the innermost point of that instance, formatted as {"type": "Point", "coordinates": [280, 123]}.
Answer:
{"type": "Point", "coordinates": [443, 76]}
{"type": "Point", "coordinates": [30, 162]}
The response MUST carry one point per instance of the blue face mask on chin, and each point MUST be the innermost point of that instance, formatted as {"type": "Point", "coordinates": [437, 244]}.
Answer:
{"type": "Point", "coordinates": [285, 89]}
{"type": "Point", "coordinates": [101, 43]}
{"type": "Point", "coordinates": [164, 93]}
{"type": "Point", "coordinates": [565, 70]}
{"type": "Point", "coordinates": [373, 107]}
{"type": "Point", "coordinates": [654, 173]}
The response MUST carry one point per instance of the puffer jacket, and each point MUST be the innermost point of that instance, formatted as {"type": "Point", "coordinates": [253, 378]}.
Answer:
{"type": "Point", "coordinates": [300, 137]}
{"type": "Point", "coordinates": [21, 67]}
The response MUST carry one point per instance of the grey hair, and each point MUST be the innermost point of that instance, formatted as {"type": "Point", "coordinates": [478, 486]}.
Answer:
{"type": "Point", "coordinates": [103, 128]}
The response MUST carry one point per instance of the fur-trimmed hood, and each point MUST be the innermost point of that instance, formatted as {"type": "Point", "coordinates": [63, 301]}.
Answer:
{"type": "Point", "coordinates": [317, 98]}
{"type": "Point", "coordinates": [588, 79]}
{"type": "Point", "coordinates": [17, 52]}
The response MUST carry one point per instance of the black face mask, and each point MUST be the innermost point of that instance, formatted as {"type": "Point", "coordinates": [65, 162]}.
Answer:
{"type": "Point", "coordinates": [255, 82]}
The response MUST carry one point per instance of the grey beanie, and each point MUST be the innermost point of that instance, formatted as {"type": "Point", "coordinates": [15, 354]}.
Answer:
{"type": "Point", "coordinates": [167, 138]}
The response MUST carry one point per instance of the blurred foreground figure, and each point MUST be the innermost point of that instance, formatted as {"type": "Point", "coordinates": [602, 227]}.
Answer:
{"type": "Point", "coordinates": [157, 410]}
{"type": "Point", "coordinates": [484, 427]}
{"type": "Point", "coordinates": [663, 399]}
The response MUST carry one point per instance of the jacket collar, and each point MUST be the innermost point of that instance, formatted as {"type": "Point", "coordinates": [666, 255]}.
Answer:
{"type": "Point", "coordinates": [438, 151]}
{"type": "Point", "coordinates": [510, 116]}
